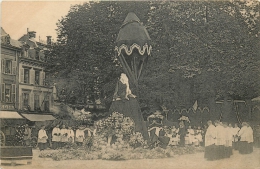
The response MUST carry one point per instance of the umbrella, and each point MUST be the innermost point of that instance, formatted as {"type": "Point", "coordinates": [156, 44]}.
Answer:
{"type": "Point", "coordinates": [133, 47]}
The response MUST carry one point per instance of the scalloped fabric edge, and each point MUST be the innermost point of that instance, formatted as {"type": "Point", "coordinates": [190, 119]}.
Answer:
{"type": "Point", "coordinates": [132, 47]}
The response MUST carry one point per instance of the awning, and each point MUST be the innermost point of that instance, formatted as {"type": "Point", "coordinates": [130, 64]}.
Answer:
{"type": "Point", "coordinates": [257, 99]}
{"type": "Point", "coordinates": [38, 117]}
{"type": "Point", "coordinates": [10, 115]}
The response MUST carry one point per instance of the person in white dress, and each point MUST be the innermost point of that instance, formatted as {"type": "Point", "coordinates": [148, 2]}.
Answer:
{"type": "Point", "coordinates": [189, 139]}
{"type": "Point", "coordinates": [70, 135]}
{"type": "Point", "coordinates": [80, 135]}
{"type": "Point", "coordinates": [210, 148]}
{"type": "Point", "coordinates": [228, 130]}
{"type": "Point", "coordinates": [246, 139]}
{"type": "Point", "coordinates": [64, 135]}
{"type": "Point", "coordinates": [235, 137]}
{"type": "Point", "coordinates": [56, 137]}
{"type": "Point", "coordinates": [220, 140]}
{"type": "Point", "coordinates": [198, 136]}
{"type": "Point", "coordinates": [42, 138]}
{"type": "Point", "coordinates": [175, 135]}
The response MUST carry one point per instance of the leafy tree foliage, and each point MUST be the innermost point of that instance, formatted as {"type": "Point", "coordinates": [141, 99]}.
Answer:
{"type": "Point", "coordinates": [201, 50]}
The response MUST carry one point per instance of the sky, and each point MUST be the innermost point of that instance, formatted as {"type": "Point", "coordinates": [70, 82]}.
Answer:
{"type": "Point", "coordinates": [38, 16]}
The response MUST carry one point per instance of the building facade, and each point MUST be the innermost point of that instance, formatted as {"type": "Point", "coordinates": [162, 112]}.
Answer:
{"type": "Point", "coordinates": [10, 52]}
{"type": "Point", "coordinates": [35, 95]}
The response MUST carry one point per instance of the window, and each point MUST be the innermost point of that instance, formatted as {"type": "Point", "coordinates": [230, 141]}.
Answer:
{"type": "Point", "coordinates": [8, 92]}
{"type": "Point", "coordinates": [25, 100]}
{"type": "Point", "coordinates": [8, 66]}
{"type": "Point", "coordinates": [37, 55]}
{"type": "Point", "coordinates": [26, 75]}
{"type": "Point", "coordinates": [37, 77]}
{"type": "Point", "coordinates": [36, 102]}
{"type": "Point", "coordinates": [46, 103]}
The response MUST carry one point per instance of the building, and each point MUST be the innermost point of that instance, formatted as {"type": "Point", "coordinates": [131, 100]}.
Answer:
{"type": "Point", "coordinates": [10, 52]}
{"type": "Point", "coordinates": [35, 94]}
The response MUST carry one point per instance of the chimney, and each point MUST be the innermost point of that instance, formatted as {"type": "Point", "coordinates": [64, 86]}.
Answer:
{"type": "Point", "coordinates": [48, 40]}
{"type": "Point", "coordinates": [32, 34]}
{"type": "Point", "coordinates": [27, 30]}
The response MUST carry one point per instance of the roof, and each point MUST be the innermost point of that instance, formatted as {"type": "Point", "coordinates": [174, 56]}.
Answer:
{"type": "Point", "coordinates": [3, 32]}
{"type": "Point", "coordinates": [24, 38]}
{"type": "Point", "coordinates": [15, 43]}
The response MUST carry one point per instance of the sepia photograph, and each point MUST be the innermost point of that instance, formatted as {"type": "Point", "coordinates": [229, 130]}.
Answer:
{"type": "Point", "coordinates": [130, 84]}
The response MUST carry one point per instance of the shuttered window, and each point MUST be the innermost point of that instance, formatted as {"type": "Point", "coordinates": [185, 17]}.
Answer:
{"type": "Point", "coordinates": [7, 93]}
{"type": "Point", "coordinates": [36, 102]}
{"type": "Point", "coordinates": [3, 65]}
{"type": "Point", "coordinates": [32, 76]}
{"type": "Point", "coordinates": [13, 95]}
{"type": "Point", "coordinates": [14, 67]}
{"type": "Point", "coordinates": [25, 100]}
{"type": "Point", "coordinates": [43, 78]}
{"type": "Point", "coordinates": [21, 75]}
{"type": "Point", "coordinates": [46, 104]}
{"type": "Point", "coordinates": [26, 75]}
{"type": "Point", "coordinates": [37, 77]}
{"type": "Point", "coordinates": [3, 92]}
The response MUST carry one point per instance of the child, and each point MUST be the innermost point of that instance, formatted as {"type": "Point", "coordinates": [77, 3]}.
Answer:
{"type": "Point", "coordinates": [189, 136]}
{"type": "Point", "coordinates": [70, 135]}
{"type": "Point", "coordinates": [198, 137]}
{"type": "Point", "coordinates": [64, 135]}
{"type": "Point", "coordinates": [42, 138]}
{"type": "Point", "coordinates": [80, 135]}
{"type": "Point", "coordinates": [176, 137]}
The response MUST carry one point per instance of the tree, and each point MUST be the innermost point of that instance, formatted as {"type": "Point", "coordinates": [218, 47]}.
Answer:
{"type": "Point", "coordinates": [201, 50]}
{"type": "Point", "coordinates": [85, 49]}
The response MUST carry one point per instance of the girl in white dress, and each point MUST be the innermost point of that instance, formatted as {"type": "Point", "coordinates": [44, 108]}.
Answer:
{"type": "Point", "coordinates": [80, 135]}
{"type": "Point", "coordinates": [70, 135]}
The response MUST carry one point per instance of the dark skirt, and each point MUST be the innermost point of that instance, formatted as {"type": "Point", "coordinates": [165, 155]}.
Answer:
{"type": "Point", "coordinates": [257, 142]}
{"type": "Point", "coordinates": [210, 152]}
{"type": "Point", "coordinates": [130, 108]}
{"type": "Point", "coordinates": [245, 147]}
{"type": "Point", "coordinates": [220, 152]}
{"type": "Point", "coordinates": [55, 145]}
{"type": "Point", "coordinates": [235, 145]}
{"type": "Point", "coordinates": [164, 141]}
{"type": "Point", "coordinates": [227, 152]}
{"type": "Point", "coordinates": [42, 146]}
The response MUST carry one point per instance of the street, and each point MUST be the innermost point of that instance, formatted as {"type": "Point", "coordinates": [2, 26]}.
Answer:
{"type": "Point", "coordinates": [191, 161]}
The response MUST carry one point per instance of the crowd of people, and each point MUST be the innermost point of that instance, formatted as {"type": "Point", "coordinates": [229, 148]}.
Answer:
{"type": "Point", "coordinates": [221, 138]}
{"type": "Point", "coordinates": [64, 135]}
{"type": "Point", "coordinates": [176, 136]}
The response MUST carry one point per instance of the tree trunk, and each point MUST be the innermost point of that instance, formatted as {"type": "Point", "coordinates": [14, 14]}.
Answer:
{"type": "Point", "coordinates": [249, 108]}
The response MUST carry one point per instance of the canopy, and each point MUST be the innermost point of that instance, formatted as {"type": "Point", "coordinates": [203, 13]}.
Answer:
{"type": "Point", "coordinates": [38, 117]}
{"type": "Point", "coordinates": [133, 35]}
{"type": "Point", "coordinates": [133, 47]}
{"type": "Point", "coordinates": [10, 115]}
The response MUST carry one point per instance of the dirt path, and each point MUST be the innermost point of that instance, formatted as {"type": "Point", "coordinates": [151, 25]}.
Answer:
{"type": "Point", "coordinates": [190, 161]}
